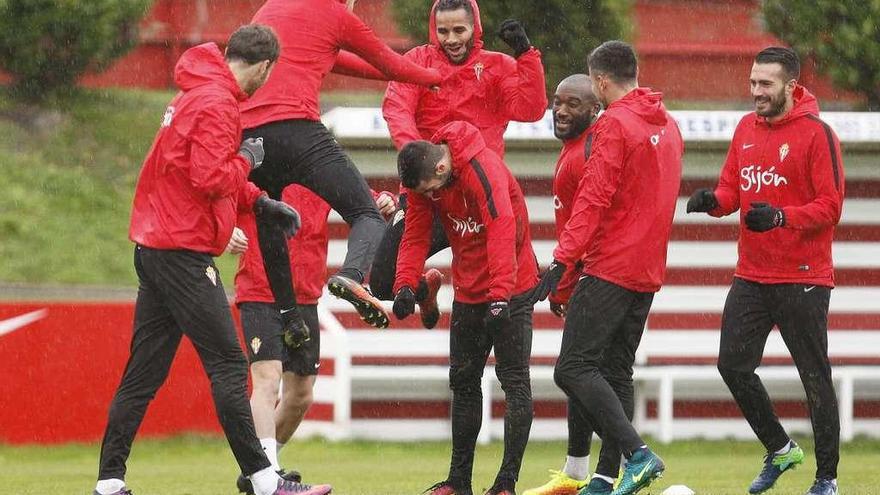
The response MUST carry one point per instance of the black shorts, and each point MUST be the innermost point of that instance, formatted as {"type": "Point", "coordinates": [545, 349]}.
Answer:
{"type": "Point", "coordinates": [262, 326]}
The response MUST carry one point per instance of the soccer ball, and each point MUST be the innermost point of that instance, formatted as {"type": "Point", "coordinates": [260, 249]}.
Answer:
{"type": "Point", "coordinates": [678, 490]}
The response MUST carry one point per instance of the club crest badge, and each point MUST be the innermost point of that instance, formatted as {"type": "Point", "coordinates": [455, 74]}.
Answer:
{"type": "Point", "coordinates": [478, 70]}
{"type": "Point", "coordinates": [211, 274]}
{"type": "Point", "coordinates": [255, 344]}
{"type": "Point", "coordinates": [783, 152]}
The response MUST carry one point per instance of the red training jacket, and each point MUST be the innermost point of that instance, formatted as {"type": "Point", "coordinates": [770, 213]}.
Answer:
{"type": "Point", "coordinates": [488, 90]}
{"type": "Point", "coordinates": [312, 32]}
{"type": "Point", "coordinates": [622, 215]}
{"type": "Point", "coordinates": [793, 164]}
{"type": "Point", "coordinates": [483, 211]}
{"type": "Point", "coordinates": [193, 180]}
{"type": "Point", "coordinates": [570, 169]}
{"type": "Point", "coordinates": [308, 252]}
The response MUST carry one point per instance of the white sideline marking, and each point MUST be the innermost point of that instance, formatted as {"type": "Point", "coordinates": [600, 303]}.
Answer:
{"type": "Point", "coordinates": [12, 324]}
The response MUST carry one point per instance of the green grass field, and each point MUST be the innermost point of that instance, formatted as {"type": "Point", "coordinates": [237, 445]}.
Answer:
{"type": "Point", "coordinates": [203, 466]}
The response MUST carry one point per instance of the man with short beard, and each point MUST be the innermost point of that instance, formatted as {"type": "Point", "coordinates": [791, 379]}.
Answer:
{"type": "Point", "coordinates": [484, 88]}
{"type": "Point", "coordinates": [575, 108]}
{"type": "Point", "coordinates": [785, 164]}
{"type": "Point", "coordinates": [459, 179]}
{"type": "Point", "coordinates": [300, 149]}
{"type": "Point", "coordinates": [619, 230]}
{"type": "Point", "coordinates": [192, 184]}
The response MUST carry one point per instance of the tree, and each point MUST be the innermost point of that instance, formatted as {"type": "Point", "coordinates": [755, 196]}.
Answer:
{"type": "Point", "coordinates": [842, 36]}
{"type": "Point", "coordinates": [45, 45]}
{"type": "Point", "coordinates": [564, 30]}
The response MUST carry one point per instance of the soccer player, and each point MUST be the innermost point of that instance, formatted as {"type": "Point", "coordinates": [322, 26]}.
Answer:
{"type": "Point", "coordinates": [193, 181]}
{"type": "Point", "coordinates": [619, 228]}
{"type": "Point", "coordinates": [299, 149]}
{"type": "Point", "coordinates": [575, 109]}
{"type": "Point", "coordinates": [273, 362]}
{"type": "Point", "coordinates": [484, 88]}
{"type": "Point", "coordinates": [784, 174]}
{"type": "Point", "coordinates": [482, 209]}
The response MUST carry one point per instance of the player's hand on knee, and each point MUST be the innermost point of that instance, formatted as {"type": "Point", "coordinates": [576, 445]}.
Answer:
{"type": "Point", "coordinates": [497, 314]}
{"type": "Point", "coordinates": [252, 150]}
{"type": "Point", "coordinates": [278, 213]}
{"type": "Point", "coordinates": [702, 200]}
{"type": "Point", "coordinates": [513, 33]}
{"type": "Point", "coordinates": [404, 302]}
{"type": "Point", "coordinates": [386, 203]}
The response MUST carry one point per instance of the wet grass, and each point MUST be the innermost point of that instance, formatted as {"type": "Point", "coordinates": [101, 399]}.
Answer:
{"type": "Point", "coordinates": [204, 465]}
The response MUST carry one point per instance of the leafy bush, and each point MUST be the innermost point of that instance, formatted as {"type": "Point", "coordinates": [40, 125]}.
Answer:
{"type": "Point", "coordinates": [45, 45]}
{"type": "Point", "coordinates": [841, 35]}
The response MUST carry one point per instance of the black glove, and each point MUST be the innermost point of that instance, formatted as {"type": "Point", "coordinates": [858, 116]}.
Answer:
{"type": "Point", "coordinates": [549, 281]}
{"type": "Point", "coordinates": [404, 302]}
{"type": "Point", "coordinates": [558, 309]}
{"type": "Point", "coordinates": [252, 149]}
{"type": "Point", "coordinates": [702, 200]}
{"type": "Point", "coordinates": [513, 33]}
{"type": "Point", "coordinates": [763, 217]}
{"type": "Point", "coordinates": [278, 213]}
{"type": "Point", "coordinates": [295, 332]}
{"type": "Point", "coordinates": [497, 314]}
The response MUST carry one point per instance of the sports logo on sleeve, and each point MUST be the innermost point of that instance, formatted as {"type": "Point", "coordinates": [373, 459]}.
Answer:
{"type": "Point", "coordinates": [168, 117]}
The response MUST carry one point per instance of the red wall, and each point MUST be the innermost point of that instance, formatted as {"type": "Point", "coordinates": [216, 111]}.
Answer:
{"type": "Point", "coordinates": [59, 373]}
{"type": "Point", "coordinates": [689, 49]}
{"type": "Point", "coordinates": [703, 49]}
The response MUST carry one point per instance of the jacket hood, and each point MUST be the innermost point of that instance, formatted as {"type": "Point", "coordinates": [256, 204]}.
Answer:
{"type": "Point", "coordinates": [204, 64]}
{"type": "Point", "coordinates": [645, 103]}
{"type": "Point", "coordinates": [804, 104]}
{"type": "Point", "coordinates": [478, 27]}
{"type": "Point", "coordinates": [463, 139]}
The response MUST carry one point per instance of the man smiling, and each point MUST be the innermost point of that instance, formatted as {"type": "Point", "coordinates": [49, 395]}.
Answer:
{"type": "Point", "coordinates": [483, 88]}
{"type": "Point", "coordinates": [784, 167]}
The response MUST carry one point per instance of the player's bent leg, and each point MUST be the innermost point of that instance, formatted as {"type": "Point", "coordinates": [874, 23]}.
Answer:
{"type": "Point", "coordinates": [513, 345]}
{"type": "Point", "coordinates": [296, 398]}
{"type": "Point", "coordinates": [266, 377]}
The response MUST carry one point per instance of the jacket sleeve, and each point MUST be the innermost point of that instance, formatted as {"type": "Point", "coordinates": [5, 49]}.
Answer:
{"type": "Point", "coordinates": [595, 191]}
{"type": "Point", "coordinates": [399, 109]}
{"type": "Point", "coordinates": [522, 90]}
{"type": "Point", "coordinates": [825, 169]}
{"type": "Point", "coordinates": [727, 190]}
{"type": "Point", "coordinates": [489, 185]}
{"type": "Point", "coordinates": [216, 168]}
{"type": "Point", "coordinates": [415, 243]}
{"type": "Point", "coordinates": [349, 64]}
{"type": "Point", "coordinates": [360, 39]}
{"type": "Point", "coordinates": [247, 196]}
